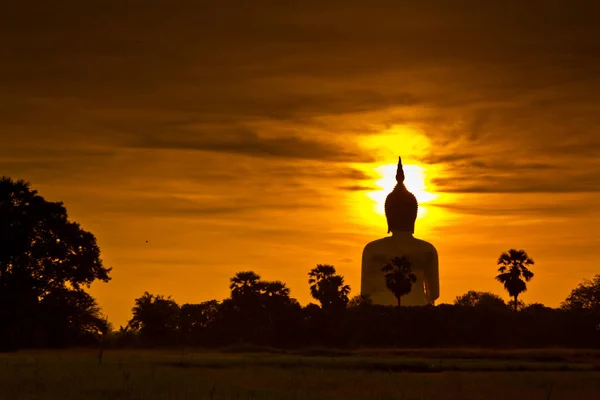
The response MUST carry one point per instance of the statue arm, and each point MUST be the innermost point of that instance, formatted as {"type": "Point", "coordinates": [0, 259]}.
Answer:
{"type": "Point", "coordinates": [433, 277]}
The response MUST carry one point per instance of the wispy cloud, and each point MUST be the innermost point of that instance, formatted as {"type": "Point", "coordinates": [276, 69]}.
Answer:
{"type": "Point", "coordinates": [247, 142]}
{"type": "Point", "coordinates": [357, 188]}
{"type": "Point", "coordinates": [568, 208]}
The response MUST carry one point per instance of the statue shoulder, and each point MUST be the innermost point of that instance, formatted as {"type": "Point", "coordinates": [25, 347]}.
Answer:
{"type": "Point", "coordinates": [375, 244]}
{"type": "Point", "coordinates": [427, 246]}
{"type": "Point", "coordinates": [376, 253]}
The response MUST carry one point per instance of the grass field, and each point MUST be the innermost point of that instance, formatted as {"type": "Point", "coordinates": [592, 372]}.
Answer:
{"type": "Point", "coordinates": [314, 374]}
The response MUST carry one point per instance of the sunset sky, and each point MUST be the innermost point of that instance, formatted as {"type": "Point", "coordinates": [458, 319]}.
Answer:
{"type": "Point", "coordinates": [254, 135]}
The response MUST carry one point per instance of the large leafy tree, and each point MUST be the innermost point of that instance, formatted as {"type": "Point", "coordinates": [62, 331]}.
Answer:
{"type": "Point", "coordinates": [514, 273]}
{"type": "Point", "coordinates": [586, 296]}
{"type": "Point", "coordinates": [42, 254]}
{"type": "Point", "coordinates": [72, 316]}
{"type": "Point", "coordinates": [328, 288]}
{"type": "Point", "coordinates": [399, 277]}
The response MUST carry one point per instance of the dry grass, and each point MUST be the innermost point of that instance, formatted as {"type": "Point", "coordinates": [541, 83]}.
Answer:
{"type": "Point", "coordinates": [359, 375]}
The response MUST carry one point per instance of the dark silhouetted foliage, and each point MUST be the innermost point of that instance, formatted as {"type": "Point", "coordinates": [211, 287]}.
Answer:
{"type": "Point", "coordinates": [585, 297]}
{"type": "Point", "coordinates": [71, 316]}
{"type": "Point", "coordinates": [514, 273]}
{"type": "Point", "coordinates": [519, 305]}
{"type": "Point", "coordinates": [360, 300]}
{"type": "Point", "coordinates": [328, 288]}
{"type": "Point", "coordinates": [195, 320]}
{"type": "Point", "coordinates": [45, 263]}
{"type": "Point", "coordinates": [156, 318]}
{"type": "Point", "coordinates": [485, 300]}
{"type": "Point", "coordinates": [399, 277]}
{"type": "Point", "coordinates": [262, 313]}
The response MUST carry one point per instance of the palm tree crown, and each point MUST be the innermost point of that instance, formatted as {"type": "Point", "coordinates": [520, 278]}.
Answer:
{"type": "Point", "coordinates": [514, 272]}
{"type": "Point", "coordinates": [275, 289]}
{"type": "Point", "coordinates": [244, 283]}
{"type": "Point", "coordinates": [399, 277]}
{"type": "Point", "coordinates": [327, 287]}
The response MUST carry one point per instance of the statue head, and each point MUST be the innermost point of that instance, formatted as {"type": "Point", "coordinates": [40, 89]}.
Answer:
{"type": "Point", "coordinates": [401, 206]}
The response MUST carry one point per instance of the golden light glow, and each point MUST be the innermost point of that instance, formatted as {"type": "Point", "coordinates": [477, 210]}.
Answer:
{"type": "Point", "coordinates": [384, 148]}
{"type": "Point", "coordinates": [415, 181]}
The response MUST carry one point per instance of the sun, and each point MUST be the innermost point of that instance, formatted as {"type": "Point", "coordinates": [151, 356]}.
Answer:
{"type": "Point", "coordinates": [415, 181]}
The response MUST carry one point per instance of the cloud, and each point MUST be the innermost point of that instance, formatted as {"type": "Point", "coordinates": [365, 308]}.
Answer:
{"type": "Point", "coordinates": [495, 184]}
{"type": "Point", "coordinates": [163, 206]}
{"type": "Point", "coordinates": [246, 142]}
{"type": "Point", "coordinates": [547, 211]}
{"type": "Point", "coordinates": [496, 97]}
{"type": "Point", "coordinates": [357, 188]}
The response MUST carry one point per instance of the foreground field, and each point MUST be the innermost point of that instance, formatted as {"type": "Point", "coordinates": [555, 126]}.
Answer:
{"type": "Point", "coordinates": [429, 374]}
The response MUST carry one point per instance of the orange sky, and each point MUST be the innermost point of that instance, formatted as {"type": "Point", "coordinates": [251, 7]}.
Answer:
{"type": "Point", "coordinates": [249, 136]}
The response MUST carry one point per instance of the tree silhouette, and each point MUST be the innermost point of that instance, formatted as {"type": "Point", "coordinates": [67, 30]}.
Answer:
{"type": "Point", "coordinates": [244, 284]}
{"type": "Point", "coordinates": [258, 311]}
{"type": "Point", "coordinates": [71, 316]}
{"type": "Point", "coordinates": [328, 288]}
{"type": "Point", "coordinates": [195, 319]}
{"type": "Point", "coordinates": [247, 285]}
{"type": "Point", "coordinates": [537, 308]}
{"type": "Point", "coordinates": [197, 316]}
{"type": "Point", "coordinates": [399, 277]}
{"type": "Point", "coordinates": [486, 300]}
{"type": "Point", "coordinates": [514, 273]}
{"type": "Point", "coordinates": [274, 289]}
{"type": "Point", "coordinates": [245, 302]}
{"type": "Point", "coordinates": [360, 300]}
{"type": "Point", "coordinates": [42, 254]}
{"type": "Point", "coordinates": [266, 315]}
{"type": "Point", "coordinates": [519, 306]}
{"type": "Point", "coordinates": [156, 318]}
{"type": "Point", "coordinates": [586, 296]}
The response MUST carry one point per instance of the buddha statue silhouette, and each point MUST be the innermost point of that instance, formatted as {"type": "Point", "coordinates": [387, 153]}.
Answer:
{"type": "Point", "coordinates": [401, 208]}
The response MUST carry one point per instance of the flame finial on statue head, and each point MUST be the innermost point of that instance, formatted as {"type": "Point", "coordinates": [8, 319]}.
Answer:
{"type": "Point", "coordinates": [400, 172]}
{"type": "Point", "coordinates": [401, 206]}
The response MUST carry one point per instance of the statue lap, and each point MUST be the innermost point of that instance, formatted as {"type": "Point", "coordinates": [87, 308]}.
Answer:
{"type": "Point", "coordinates": [423, 257]}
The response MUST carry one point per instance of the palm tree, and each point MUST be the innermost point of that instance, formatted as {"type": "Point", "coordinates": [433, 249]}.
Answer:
{"type": "Point", "coordinates": [244, 283]}
{"type": "Point", "coordinates": [514, 273]}
{"type": "Point", "coordinates": [275, 289]}
{"type": "Point", "coordinates": [327, 287]}
{"type": "Point", "coordinates": [318, 274]}
{"type": "Point", "coordinates": [399, 277]}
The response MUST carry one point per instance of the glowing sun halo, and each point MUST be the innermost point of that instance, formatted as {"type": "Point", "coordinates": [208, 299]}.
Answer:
{"type": "Point", "coordinates": [415, 182]}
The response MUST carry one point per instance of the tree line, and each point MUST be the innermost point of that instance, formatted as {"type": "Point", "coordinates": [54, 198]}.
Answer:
{"type": "Point", "coordinates": [47, 262]}
{"type": "Point", "coordinates": [263, 313]}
